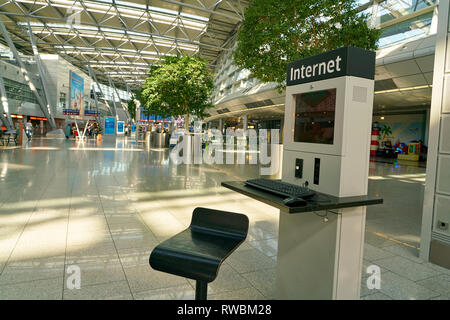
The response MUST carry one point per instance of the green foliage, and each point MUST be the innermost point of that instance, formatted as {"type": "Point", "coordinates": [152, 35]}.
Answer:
{"type": "Point", "coordinates": [136, 95]}
{"type": "Point", "coordinates": [274, 33]}
{"type": "Point", "coordinates": [132, 108]}
{"type": "Point", "coordinates": [386, 131]}
{"type": "Point", "coordinates": [182, 85]}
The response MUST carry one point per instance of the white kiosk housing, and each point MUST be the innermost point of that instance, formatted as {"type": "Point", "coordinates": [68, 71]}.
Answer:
{"type": "Point", "coordinates": [329, 101]}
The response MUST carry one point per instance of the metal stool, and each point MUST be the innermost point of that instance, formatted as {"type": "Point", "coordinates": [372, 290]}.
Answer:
{"type": "Point", "coordinates": [197, 252]}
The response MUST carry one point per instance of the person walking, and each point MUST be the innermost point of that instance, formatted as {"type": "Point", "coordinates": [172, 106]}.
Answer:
{"type": "Point", "coordinates": [68, 131]}
{"type": "Point", "coordinates": [29, 130]}
{"type": "Point", "coordinates": [95, 130]}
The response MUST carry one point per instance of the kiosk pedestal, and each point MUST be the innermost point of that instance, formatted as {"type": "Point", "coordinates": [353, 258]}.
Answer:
{"type": "Point", "coordinates": [318, 259]}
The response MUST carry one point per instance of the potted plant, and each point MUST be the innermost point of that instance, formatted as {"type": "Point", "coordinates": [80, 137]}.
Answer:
{"type": "Point", "coordinates": [386, 131]}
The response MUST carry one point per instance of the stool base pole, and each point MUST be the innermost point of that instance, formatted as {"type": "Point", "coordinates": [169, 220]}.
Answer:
{"type": "Point", "coordinates": [201, 290]}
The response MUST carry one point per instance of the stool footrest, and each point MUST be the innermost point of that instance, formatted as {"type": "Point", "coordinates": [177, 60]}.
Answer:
{"type": "Point", "coordinates": [201, 290]}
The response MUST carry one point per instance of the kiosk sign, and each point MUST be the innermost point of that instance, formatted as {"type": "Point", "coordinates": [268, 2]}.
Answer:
{"type": "Point", "coordinates": [346, 61]}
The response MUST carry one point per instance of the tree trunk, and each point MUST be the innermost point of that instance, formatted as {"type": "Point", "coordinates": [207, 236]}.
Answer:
{"type": "Point", "coordinates": [187, 122]}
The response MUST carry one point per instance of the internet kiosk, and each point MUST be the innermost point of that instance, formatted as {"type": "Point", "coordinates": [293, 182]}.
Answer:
{"type": "Point", "coordinates": [328, 115]}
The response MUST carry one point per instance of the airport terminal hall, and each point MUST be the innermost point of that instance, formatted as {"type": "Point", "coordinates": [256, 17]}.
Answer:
{"type": "Point", "coordinates": [231, 150]}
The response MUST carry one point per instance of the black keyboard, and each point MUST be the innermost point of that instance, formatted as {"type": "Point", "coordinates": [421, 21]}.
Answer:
{"type": "Point", "coordinates": [281, 188]}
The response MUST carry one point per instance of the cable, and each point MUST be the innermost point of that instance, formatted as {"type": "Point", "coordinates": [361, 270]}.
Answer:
{"type": "Point", "coordinates": [325, 216]}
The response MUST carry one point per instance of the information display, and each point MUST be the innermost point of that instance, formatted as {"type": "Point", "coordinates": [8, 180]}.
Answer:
{"type": "Point", "coordinates": [120, 127]}
{"type": "Point", "coordinates": [315, 117]}
{"type": "Point", "coordinates": [76, 93]}
{"type": "Point", "coordinates": [110, 125]}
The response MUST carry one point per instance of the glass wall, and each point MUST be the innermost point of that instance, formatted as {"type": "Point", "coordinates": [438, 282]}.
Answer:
{"type": "Point", "coordinates": [110, 93]}
{"type": "Point", "coordinates": [389, 10]}
{"type": "Point", "coordinates": [408, 30]}
{"type": "Point", "coordinates": [19, 91]}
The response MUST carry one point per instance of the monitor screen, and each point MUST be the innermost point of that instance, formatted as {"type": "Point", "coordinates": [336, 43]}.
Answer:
{"type": "Point", "coordinates": [314, 116]}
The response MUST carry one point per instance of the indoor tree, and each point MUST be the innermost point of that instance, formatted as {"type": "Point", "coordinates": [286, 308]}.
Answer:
{"type": "Point", "coordinates": [181, 85]}
{"type": "Point", "coordinates": [136, 95]}
{"type": "Point", "coordinates": [274, 33]}
{"type": "Point", "coordinates": [132, 108]}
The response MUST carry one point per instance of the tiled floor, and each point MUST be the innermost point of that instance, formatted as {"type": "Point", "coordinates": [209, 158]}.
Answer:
{"type": "Point", "coordinates": [103, 208]}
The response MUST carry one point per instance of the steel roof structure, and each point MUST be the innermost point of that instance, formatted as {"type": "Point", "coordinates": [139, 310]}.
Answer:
{"type": "Point", "coordinates": [122, 39]}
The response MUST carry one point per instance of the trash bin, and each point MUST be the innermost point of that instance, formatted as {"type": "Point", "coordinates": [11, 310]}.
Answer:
{"type": "Point", "coordinates": [159, 140]}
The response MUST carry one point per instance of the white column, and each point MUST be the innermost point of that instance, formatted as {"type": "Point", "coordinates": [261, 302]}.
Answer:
{"type": "Point", "coordinates": [245, 122]}
{"type": "Point", "coordinates": [427, 127]}
{"type": "Point", "coordinates": [42, 76]}
{"type": "Point", "coordinates": [435, 236]}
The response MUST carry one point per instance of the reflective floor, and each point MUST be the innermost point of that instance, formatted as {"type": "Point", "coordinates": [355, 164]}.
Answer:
{"type": "Point", "coordinates": [101, 209]}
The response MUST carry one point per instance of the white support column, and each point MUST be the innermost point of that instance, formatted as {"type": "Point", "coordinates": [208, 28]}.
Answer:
{"type": "Point", "coordinates": [101, 91]}
{"type": "Point", "coordinates": [245, 122]}
{"type": "Point", "coordinates": [114, 102]}
{"type": "Point", "coordinates": [221, 125]}
{"type": "Point", "coordinates": [374, 14]}
{"type": "Point", "coordinates": [42, 77]}
{"type": "Point", "coordinates": [427, 127]}
{"type": "Point", "coordinates": [282, 131]}
{"type": "Point", "coordinates": [138, 118]}
{"type": "Point", "coordinates": [118, 97]}
{"type": "Point", "coordinates": [435, 235]}
{"type": "Point", "coordinates": [24, 70]}
{"type": "Point", "coordinates": [130, 96]}
{"type": "Point", "coordinates": [95, 95]}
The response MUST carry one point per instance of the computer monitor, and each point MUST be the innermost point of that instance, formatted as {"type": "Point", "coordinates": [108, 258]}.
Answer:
{"type": "Point", "coordinates": [315, 116]}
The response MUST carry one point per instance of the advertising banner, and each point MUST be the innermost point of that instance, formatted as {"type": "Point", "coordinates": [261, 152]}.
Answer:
{"type": "Point", "coordinates": [110, 125]}
{"type": "Point", "coordinates": [120, 127]}
{"type": "Point", "coordinates": [76, 95]}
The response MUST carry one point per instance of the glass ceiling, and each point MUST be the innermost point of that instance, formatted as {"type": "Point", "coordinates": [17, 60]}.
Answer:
{"type": "Point", "coordinates": [122, 39]}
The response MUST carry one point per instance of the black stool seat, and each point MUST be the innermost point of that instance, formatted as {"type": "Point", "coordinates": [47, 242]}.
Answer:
{"type": "Point", "coordinates": [197, 252]}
